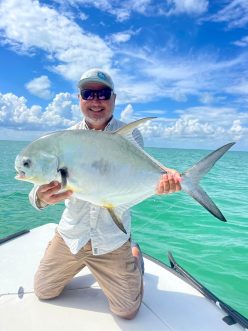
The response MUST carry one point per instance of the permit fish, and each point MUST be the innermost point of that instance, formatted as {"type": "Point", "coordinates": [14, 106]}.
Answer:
{"type": "Point", "coordinates": [108, 169]}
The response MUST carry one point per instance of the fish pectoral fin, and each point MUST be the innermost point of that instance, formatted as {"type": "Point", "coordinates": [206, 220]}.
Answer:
{"type": "Point", "coordinates": [116, 219]}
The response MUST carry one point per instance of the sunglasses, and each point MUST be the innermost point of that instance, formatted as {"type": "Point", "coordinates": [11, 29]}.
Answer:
{"type": "Point", "coordinates": [103, 94]}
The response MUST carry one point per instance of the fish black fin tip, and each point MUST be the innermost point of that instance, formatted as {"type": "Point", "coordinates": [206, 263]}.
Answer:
{"type": "Point", "coordinates": [197, 193]}
{"type": "Point", "coordinates": [219, 216]}
{"type": "Point", "coordinates": [223, 219]}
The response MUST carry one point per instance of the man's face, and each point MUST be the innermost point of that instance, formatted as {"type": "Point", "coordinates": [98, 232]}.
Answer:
{"type": "Point", "coordinates": [97, 112]}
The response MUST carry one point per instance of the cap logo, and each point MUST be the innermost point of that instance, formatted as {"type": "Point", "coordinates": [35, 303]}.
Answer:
{"type": "Point", "coordinates": [101, 75]}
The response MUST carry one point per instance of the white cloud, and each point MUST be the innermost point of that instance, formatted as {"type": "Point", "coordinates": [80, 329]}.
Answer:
{"type": "Point", "coordinates": [234, 13]}
{"type": "Point", "coordinates": [127, 114]}
{"type": "Point", "coordinates": [122, 37]}
{"type": "Point", "coordinates": [40, 87]}
{"type": "Point", "coordinates": [124, 9]}
{"type": "Point", "coordinates": [14, 111]}
{"type": "Point", "coordinates": [237, 130]}
{"type": "Point", "coordinates": [166, 76]}
{"type": "Point", "coordinates": [61, 113]}
{"type": "Point", "coordinates": [243, 42]}
{"type": "Point", "coordinates": [27, 26]}
{"type": "Point", "coordinates": [182, 127]}
{"type": "Point", "coordinates": [193, 128]}
{"type": "Point", "coordinates": [83, 17]}
{"type": "Point", "coordinates": [206, 98]}
{"type": "Point", "coordinates": [176, 79]}
{"type": "Point", "coordinates": [216, 116]}
{"type": "Point", "coordinates": [189, 127]}
{"type": "Point", "coordinates": [191, 7]}
{"type": "Point", "coordinates": [240, 88]}
{"type": "Point", "coordinates": [142, 73]}
{"type": "Point", "coordinates": [121, 9]}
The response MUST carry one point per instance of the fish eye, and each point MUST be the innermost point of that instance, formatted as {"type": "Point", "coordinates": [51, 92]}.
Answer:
{"type": "Point", "coordinates": [27, 163]}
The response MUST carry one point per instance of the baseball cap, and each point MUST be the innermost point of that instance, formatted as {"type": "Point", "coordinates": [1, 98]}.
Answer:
{"type": "Point", "coordinates": [97, 76]}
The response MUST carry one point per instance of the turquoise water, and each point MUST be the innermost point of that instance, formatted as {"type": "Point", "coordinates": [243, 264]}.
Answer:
{"type": "Point", "coordinates": [214, 252]}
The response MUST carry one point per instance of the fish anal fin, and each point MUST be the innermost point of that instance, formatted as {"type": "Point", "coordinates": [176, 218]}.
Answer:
{"type": "Point", "coordinates": [115, 218]}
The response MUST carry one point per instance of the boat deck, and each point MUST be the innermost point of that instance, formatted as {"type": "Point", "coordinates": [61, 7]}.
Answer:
{"type": "Point", "coordinates": [169, 302]}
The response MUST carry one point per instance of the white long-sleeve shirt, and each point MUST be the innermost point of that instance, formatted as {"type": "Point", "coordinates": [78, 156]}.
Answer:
{"type": "Point", "coordinates": [82, 221]}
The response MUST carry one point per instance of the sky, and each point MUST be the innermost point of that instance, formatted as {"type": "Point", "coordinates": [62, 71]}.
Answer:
{"type": "Point", "coordinates": [184, 62]}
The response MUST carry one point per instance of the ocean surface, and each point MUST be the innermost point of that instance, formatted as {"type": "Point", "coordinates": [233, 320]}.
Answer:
{"type": "Point", "coordinates": [214, 252]}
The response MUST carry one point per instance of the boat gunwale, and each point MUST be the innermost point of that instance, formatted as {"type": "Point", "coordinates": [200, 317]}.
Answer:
{"type": "Point", "coordinates": [232, 317]}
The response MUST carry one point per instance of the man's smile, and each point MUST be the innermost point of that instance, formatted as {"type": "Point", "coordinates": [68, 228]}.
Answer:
{"type": "Point", "coordinates": [96, 110]}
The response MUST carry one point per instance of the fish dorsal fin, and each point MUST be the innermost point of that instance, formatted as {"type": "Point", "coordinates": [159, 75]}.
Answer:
{"type": "Point", "coordinates": [127, 130]}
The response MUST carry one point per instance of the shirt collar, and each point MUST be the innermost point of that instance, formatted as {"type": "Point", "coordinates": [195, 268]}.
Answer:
{"type": "Point", "coordinates": [108, 127]}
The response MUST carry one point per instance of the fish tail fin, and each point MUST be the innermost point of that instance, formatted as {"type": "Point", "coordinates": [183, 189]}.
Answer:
{"type": "Point", "coordinates": [192, 176]}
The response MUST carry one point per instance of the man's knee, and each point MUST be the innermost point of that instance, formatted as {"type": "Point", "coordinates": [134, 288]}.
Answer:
{"type": "Point", "coordinates": [129, 310]}
{"type": "Point", "coordinates": [129, 315]}
{"type": "Point", "coordinates": [46, 294]}
{"type": "Point", "coordinates": [45, 291]}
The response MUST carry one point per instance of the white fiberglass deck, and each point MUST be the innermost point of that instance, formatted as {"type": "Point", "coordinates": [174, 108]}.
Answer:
{"type": "Point", "coordinates": [169, 303]}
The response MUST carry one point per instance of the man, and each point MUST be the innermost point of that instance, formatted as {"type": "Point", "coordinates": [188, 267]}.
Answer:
{"type": "Point", "coordinates": [86, 234]}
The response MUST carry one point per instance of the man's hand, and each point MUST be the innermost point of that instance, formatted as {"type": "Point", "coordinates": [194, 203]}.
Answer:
{"type": "Point", "coordinates": [169, 183]}
{"type": "Point", "coordinates": [48, 194]}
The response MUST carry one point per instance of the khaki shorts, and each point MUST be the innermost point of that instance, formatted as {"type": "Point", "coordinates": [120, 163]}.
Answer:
{"type": "Point", "coordinates": [116, 272]}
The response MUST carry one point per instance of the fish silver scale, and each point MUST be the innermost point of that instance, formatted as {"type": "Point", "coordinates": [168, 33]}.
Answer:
{"type": "Point", "coordinates": [103, 168]}
{"type": "Point", "coordinates": [107, 169]}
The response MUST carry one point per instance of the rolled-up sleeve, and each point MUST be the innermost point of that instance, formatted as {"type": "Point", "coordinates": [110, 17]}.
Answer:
{"type": "Point", "coordinates": [33, 199]}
